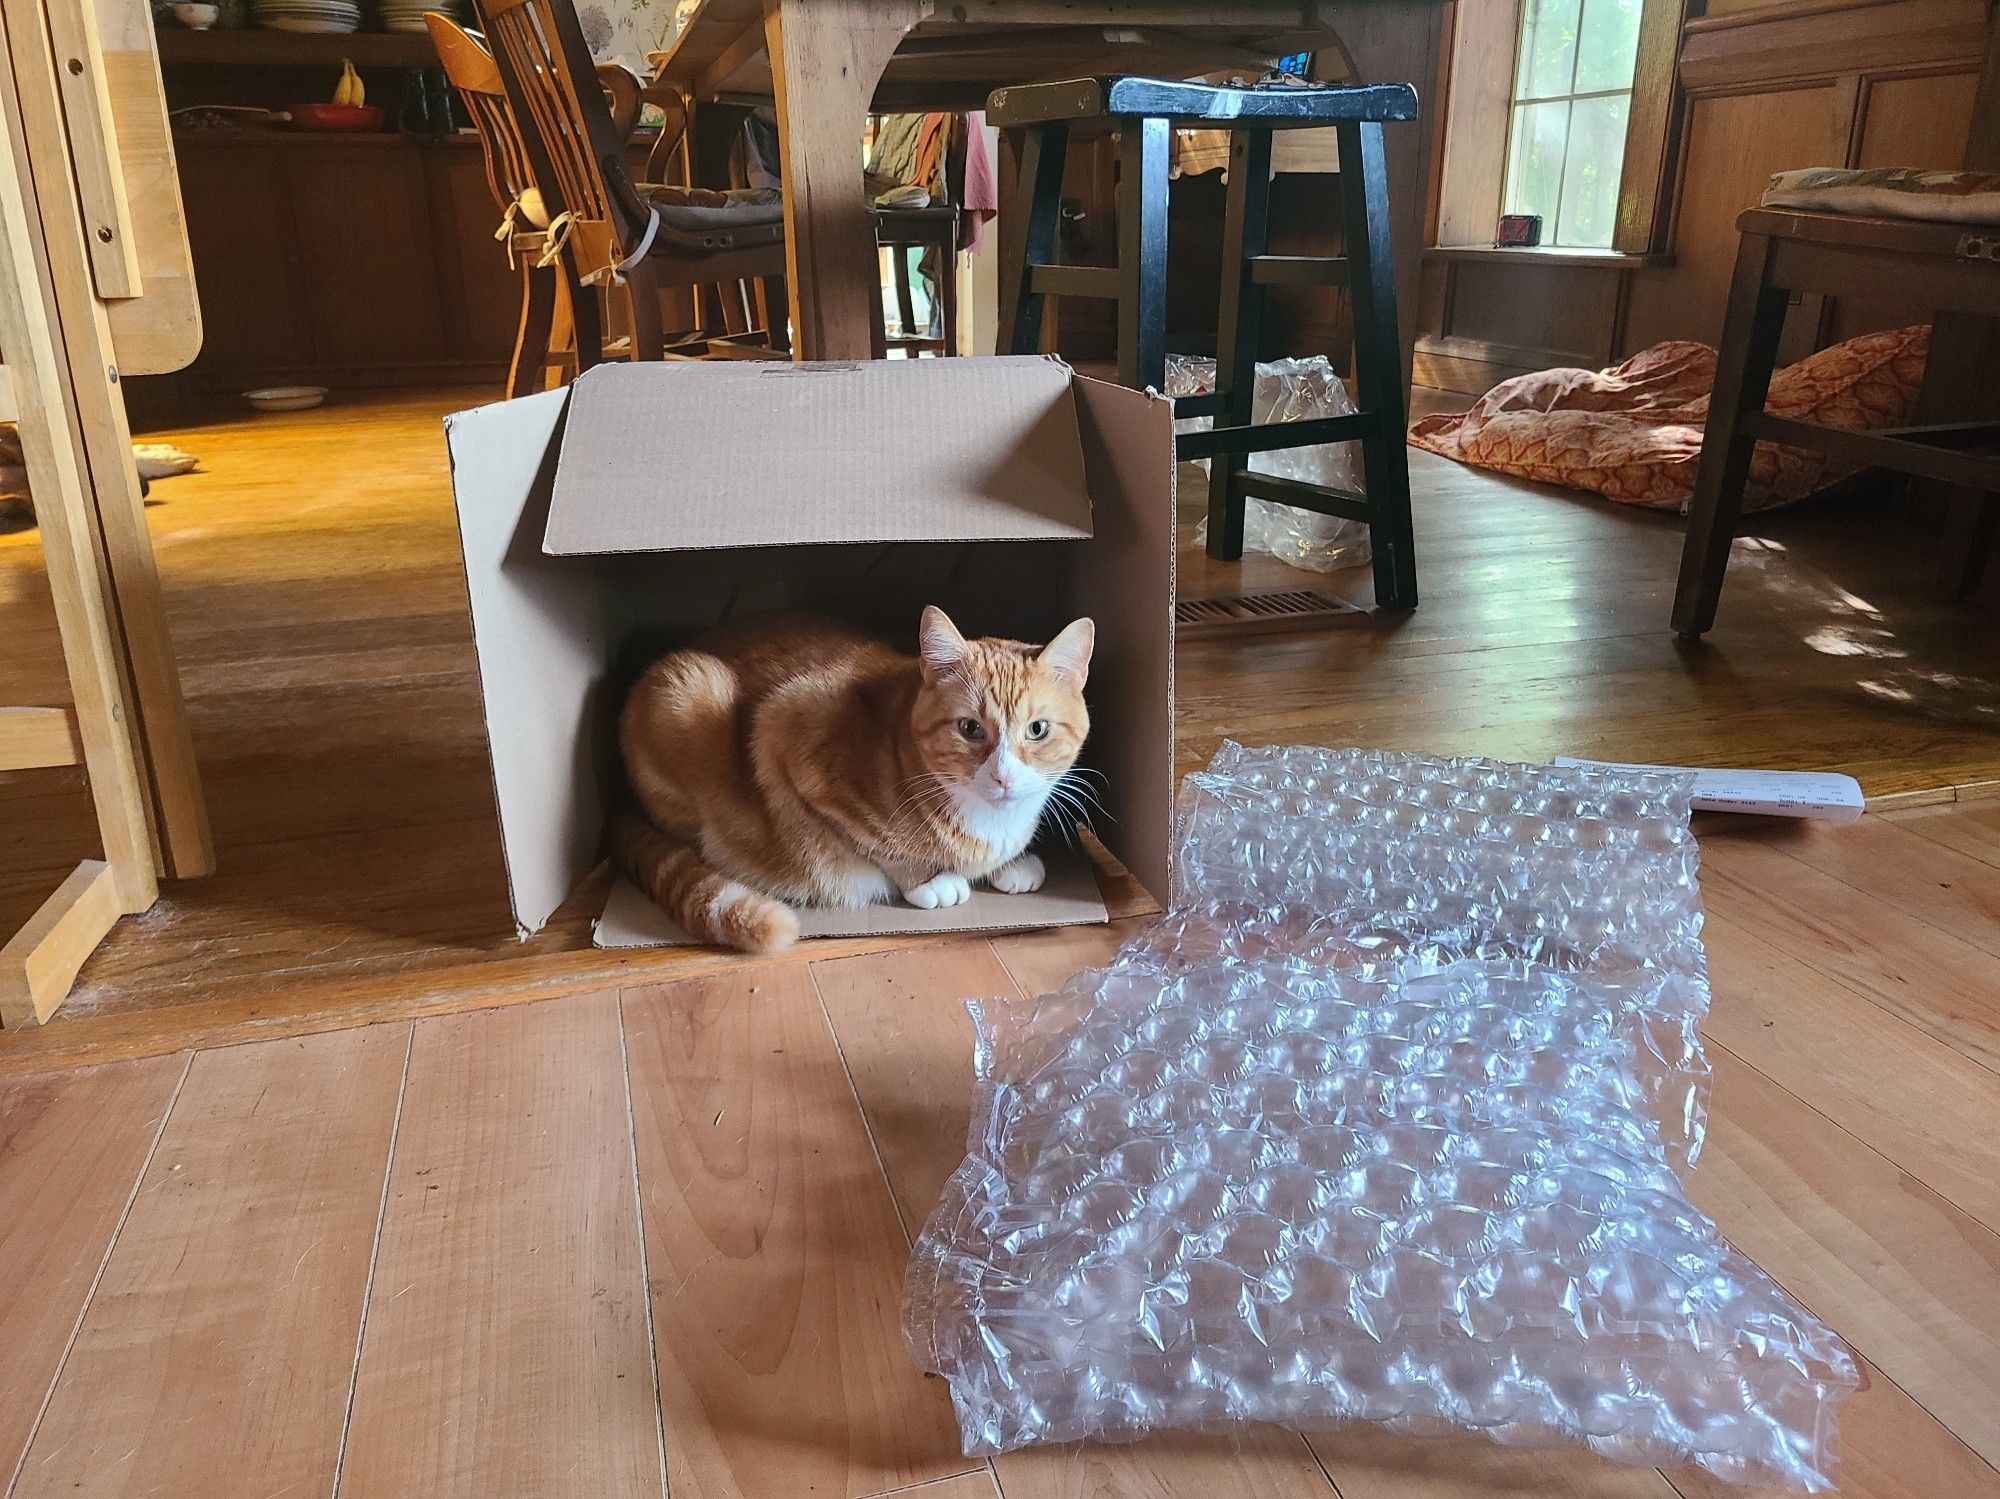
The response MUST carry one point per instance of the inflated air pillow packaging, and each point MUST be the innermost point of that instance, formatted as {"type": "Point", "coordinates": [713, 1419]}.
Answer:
{"type": "Point", "coordinates": [1381, 1122]}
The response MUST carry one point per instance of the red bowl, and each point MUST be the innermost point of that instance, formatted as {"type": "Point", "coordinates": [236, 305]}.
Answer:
{"type": "Point", "coordinates": [336, 116]}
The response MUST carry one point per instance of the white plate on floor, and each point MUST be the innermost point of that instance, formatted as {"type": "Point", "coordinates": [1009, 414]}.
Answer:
{"type": "Point", "coordinates": [286, 397]}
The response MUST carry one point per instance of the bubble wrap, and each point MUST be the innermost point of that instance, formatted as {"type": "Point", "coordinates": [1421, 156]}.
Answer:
{"type": "Point", "coordinates": [1380, 1122]}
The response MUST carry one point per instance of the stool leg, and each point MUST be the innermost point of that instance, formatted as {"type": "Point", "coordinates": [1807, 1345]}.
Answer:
{"type": "Point", "coordinates": [1378, 362]}
{"type": "Point", "coordinates": [1032, 240]}
{"type": "Point", "coordinates": [1246, 232]}
{"type": "Point", "coordinates": [1142, 253]}
{"type": "Point", "coordinates": [1750, 332]}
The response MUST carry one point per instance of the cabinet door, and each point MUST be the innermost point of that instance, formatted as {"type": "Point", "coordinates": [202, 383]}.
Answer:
{"type": "Point", "coordinates": [364, 229]}
{"type": "Point", "coordinates": [248, 269]}
{"type": "Point", "coordinates": [482, 297]}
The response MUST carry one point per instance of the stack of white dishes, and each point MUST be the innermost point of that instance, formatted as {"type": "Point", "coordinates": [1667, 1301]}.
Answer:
{"type": "Point", "coordinates": [327, 17]}
{"type": "Point", "coordinates": [408, 15]}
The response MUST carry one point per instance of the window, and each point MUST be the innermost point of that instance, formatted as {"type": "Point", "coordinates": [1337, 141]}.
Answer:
{"type": "Point", "coordinates": [1566, 124]}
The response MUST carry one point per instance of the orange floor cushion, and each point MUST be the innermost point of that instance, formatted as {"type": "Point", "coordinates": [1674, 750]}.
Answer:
{"type": "Point", "coordinates": [1632, 433]}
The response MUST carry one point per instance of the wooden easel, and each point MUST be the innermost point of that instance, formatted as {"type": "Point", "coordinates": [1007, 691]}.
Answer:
{"type": "Point", "coordinates": [94, 268]}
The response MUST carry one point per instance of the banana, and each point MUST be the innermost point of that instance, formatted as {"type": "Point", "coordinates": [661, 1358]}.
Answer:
{"type": "Point", "coordinates": [350, 89]}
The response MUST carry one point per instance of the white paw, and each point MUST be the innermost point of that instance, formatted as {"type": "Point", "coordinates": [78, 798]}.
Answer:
{"type": "Point", "coordinates": [945, 889]}
{"type": "Point", "coordinates": [1018, 875]}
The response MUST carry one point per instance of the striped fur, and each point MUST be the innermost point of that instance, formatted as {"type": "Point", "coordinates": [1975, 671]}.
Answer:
{"type": "Point", "coordinates": [798, 762]}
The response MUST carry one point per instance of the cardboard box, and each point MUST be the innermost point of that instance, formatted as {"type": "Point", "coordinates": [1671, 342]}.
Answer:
{"type": "Point", "coordinates": [617, 518]}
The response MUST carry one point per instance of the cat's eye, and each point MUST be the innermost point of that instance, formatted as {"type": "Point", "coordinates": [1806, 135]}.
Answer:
{"type": "Point", "coordinates": [1039, 729]}
{"type": "Point", "coordinates": [968, 728]}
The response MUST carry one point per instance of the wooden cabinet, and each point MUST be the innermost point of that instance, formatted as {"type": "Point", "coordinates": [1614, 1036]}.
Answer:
{"type": "Point", "coordinates": [345, 260]}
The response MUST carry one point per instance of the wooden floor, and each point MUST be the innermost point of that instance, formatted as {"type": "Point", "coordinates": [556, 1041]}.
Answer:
{"type": "Point", "coordinates": [655, 1236]}
{"type": "Point", "coordinates": [649, 1234]}
{"type": "Point", "coordinates": [315, 594]}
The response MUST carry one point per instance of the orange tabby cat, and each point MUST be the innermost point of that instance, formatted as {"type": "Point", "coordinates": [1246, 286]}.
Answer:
{"type": "Point", "coordinates": [799, 761]}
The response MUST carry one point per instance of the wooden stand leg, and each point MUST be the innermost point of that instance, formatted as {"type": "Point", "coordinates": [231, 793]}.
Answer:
{"type": "Point", "coordinates": [153, 719]}
{"type": "Point", "coordinates": [1239, 328]}
{"type": "Point", "coordinates": [826, 57]}
{"type": "Point", "coordinates": [1378, 362]}
{"type": "Point", "coordinates": [1750, 332]}
{"type": "Point", "coordinates": [531, 338]}
{"type": "Point", "coordinates": [1031, 239]}
{"type": "Point", "coordinates": [40, 963]}
{"type": "Point", "coordinates": [1142, 253]}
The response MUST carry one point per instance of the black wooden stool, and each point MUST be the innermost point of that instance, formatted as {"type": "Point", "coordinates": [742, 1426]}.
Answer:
{"type": "Point", "coordinates": [1144, 111]}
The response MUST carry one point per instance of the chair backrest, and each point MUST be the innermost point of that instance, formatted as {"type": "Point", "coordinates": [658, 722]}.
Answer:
{"type": "Point", "coordinates": [472, 71]}
{"type": "Point", "coordinates": [573, 145]}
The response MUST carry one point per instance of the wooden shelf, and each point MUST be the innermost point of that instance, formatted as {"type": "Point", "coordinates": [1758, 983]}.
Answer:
{"type": "Point", "coordinates": [180, 47]}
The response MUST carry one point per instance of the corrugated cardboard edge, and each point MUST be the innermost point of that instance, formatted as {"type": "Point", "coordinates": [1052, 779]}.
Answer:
{"type": "Point", "coordinates": [484, 557]}
{"type": "Point", "coordinates": [1069, 897]}
{"type": "Point", "coordinates": [1142, 542]}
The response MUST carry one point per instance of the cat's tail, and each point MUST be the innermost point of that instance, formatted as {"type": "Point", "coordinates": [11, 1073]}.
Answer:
{"type": "Point", "coordinates": [713, 907]}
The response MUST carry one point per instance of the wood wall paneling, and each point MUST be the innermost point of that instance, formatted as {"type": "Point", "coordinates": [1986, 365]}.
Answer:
{"type": "Point", "coordinates": [1734, 143]}
{"type": "Point", "coordinates": [1919, 121]}
{"type": "Point", "coordinates": [1767, 86]}
{"type": "Point", "coordinates": [246, 255]}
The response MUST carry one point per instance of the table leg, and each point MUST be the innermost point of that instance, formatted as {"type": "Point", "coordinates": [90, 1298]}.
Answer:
{"type": "Point", "coordinates": [826, 58]}
{"type": "Point", "coordinates": [1398, 41]}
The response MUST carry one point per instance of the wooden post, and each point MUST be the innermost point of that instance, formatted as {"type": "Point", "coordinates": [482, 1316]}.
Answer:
{"type": "Point", "coordinates": [75, 445]}
{"type": "Point", "coordinates": [826, 58]}
{"type": "Point", "coordinates": [43, 144]}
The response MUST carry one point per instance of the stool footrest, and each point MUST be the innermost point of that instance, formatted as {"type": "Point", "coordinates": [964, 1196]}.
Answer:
{"type": "Point", "coordinates": [1099, 281]}
{"type": "Point", "coordinates": [1298, 270]}
{"type": "Point", "coordinates": [1208, 403]}
{"type": "Point", "coordinates": [1321, 499]}
{"type": "Point", "coordinates": [1264, 437]}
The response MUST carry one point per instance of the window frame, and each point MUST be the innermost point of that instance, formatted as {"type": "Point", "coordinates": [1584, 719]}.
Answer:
{"type": "Point", "coordinates": [1480, 68]}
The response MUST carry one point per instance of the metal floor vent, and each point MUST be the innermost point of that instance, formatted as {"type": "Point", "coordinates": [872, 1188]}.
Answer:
{"type": "Point", "coordinates": [1256, 613]}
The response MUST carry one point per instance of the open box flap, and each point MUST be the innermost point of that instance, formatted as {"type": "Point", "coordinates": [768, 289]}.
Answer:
{"type": "Point", "coordinates": [680, 456]}
{"type": "Point", "coordinates": [539, 637]}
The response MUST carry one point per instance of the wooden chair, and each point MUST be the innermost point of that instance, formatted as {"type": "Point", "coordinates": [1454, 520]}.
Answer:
{"type": "Point", "coordinates": [544, 339]}
{"type": "Point", "coordinates": [935, 230]}
{"type": "Point", "coordinates": [1947, 267]}
{"type": "Point", "coordinates": [602, 228]}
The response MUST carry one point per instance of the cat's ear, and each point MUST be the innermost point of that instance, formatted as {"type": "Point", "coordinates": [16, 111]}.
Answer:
{"type": "Point", "coordinates": [939, 644]}
{"type": "Point", "coordinates": [1068, 655]}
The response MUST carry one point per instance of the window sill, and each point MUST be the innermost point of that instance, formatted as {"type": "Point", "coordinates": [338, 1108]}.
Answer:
{"type": "Point", "coordinates": [1550, 255]}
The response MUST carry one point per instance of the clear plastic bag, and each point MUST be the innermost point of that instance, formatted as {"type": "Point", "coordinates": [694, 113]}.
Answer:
{"type": "Point", "coordinates": [1288, 390]}
{"type": "Point", "coordinates": [1380, 1122]}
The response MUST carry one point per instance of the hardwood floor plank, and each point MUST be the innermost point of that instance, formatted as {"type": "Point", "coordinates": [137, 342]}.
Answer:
{"type": "Point", "coordinates": [72, 1146]}
{"type": "Point", "coordinates": [903, 1029]}
{"type": "Point", "coordinates": [1937, 885]}
{"type": "Point", "coordinates": [1909, 1280]}
{"type": "Point", "coordinates": [1041, 962]}
{"type": "Point", "coordinates": [1909, 967]}
{"type": "Point", "coordinates": [965, 1486]}
{"type": "Point", "coordinates": [216, 1354]}
{"type": "Point", "coordinates": [774, 1252]}
{"type": "Point", "coordinates": [506, 1347]}
{"type": "Point", "coordinates": [1894, 1088]}
{"type": "Point", "coordinates": [1890, 1448]}
{"type": "Point", "coordinates": [1369, 1463]}
{"type": "Point", "coordinates": [1969, 828]}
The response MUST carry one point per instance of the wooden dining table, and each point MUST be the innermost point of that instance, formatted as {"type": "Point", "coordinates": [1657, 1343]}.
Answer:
{"type": "Point", "coordinates": [828, 64]}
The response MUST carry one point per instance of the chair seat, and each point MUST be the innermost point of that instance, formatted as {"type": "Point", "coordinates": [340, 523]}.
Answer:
{"type": "Point", "coordinates": [1966, 198]}
{"type": "Point", "coordinates": [1861, 232]}
{"type": "Point", "coordinates": [1277, 107]}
